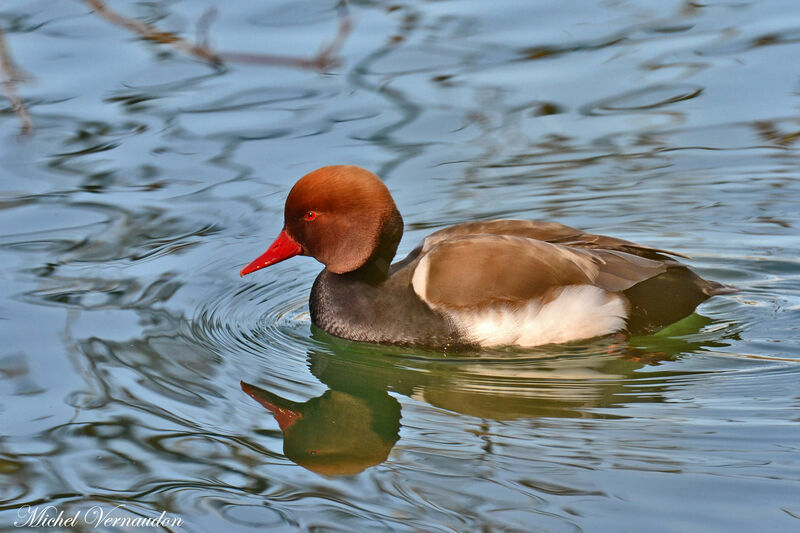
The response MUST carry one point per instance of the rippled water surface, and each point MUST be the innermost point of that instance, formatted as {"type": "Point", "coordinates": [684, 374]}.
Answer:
{"type": "Point", "coordinates": [151, 177]}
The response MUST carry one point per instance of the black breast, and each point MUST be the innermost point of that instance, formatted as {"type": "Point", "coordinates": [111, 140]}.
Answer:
{"type": "Point", "coordinates": [385, 311]}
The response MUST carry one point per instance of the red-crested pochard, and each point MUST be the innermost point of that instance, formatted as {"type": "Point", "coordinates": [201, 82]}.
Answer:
{"type": "Point", "coordinates": [487, 283]}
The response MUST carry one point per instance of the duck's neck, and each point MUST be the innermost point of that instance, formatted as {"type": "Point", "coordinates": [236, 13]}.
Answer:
{"type": "Point", "coordinates": [376, 269]}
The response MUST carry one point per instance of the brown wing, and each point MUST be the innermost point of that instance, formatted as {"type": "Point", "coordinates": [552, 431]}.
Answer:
{"type": "Point", "coordinates": [551, 232]}
{"type": "Point", "coordinates": [482, 269]}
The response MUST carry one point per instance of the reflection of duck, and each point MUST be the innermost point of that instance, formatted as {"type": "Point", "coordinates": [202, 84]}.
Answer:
{"type": "Point", "coordinates": [354, 424]}
{"type": "Point", "coordinates": [337, 433]}
{"type": "Point", "coordinates": [502, 282]}
{"type": "Point", "coordinates": [546, 384]}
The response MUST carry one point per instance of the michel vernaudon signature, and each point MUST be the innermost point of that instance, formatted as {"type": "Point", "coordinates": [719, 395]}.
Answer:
{"type": "Point", "coordinates": [95, 516]}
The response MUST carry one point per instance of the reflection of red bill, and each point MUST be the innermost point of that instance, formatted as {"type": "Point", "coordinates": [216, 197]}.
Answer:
{"type": "Point", "coordinates": [285, 416]}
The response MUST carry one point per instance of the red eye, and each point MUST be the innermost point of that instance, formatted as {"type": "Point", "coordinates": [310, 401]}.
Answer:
{"type": "Point", "coordinates": [311, 215]}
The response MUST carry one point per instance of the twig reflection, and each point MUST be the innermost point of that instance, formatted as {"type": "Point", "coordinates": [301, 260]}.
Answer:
{"type": "Point", "coordinates": [11, 76]}
{"type": "Point", "coordinates": [325, 58]}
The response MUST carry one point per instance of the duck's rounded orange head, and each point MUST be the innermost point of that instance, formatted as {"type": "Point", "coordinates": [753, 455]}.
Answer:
{"type": "Point", "coordinates": [340, 215]}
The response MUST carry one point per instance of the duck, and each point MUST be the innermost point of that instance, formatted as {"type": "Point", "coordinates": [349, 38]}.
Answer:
{"type": "Point", "coordinates": [483, 283]}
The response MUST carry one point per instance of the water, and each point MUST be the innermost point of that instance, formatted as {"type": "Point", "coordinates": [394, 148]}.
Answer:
{"type": "Point", "coordinates": [152, 178]}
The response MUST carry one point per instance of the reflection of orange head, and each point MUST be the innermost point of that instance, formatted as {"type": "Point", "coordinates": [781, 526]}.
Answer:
{"type": "Point", "coordinates": [337, 433]}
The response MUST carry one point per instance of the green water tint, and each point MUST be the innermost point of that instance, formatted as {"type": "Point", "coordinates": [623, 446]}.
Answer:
{"type": "Point", "coordinates": [355, 423]}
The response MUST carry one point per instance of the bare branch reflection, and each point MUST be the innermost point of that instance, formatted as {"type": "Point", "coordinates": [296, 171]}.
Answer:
{"type": "Point", "coordinates": [11, 76]}
{"type": "Point", "coordinates": [326, 58]}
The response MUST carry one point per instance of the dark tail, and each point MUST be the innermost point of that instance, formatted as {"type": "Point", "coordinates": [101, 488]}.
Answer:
{"type": "Point", "coordinates": [668, 297]}
{"type": "Point", "coordinates": [714, 288]}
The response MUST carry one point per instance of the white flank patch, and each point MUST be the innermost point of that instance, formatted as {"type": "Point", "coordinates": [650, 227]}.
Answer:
{"type": "Point", "coordinates": [578, 312]}
{"type": "Point", "coordinates": [419, 281]}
